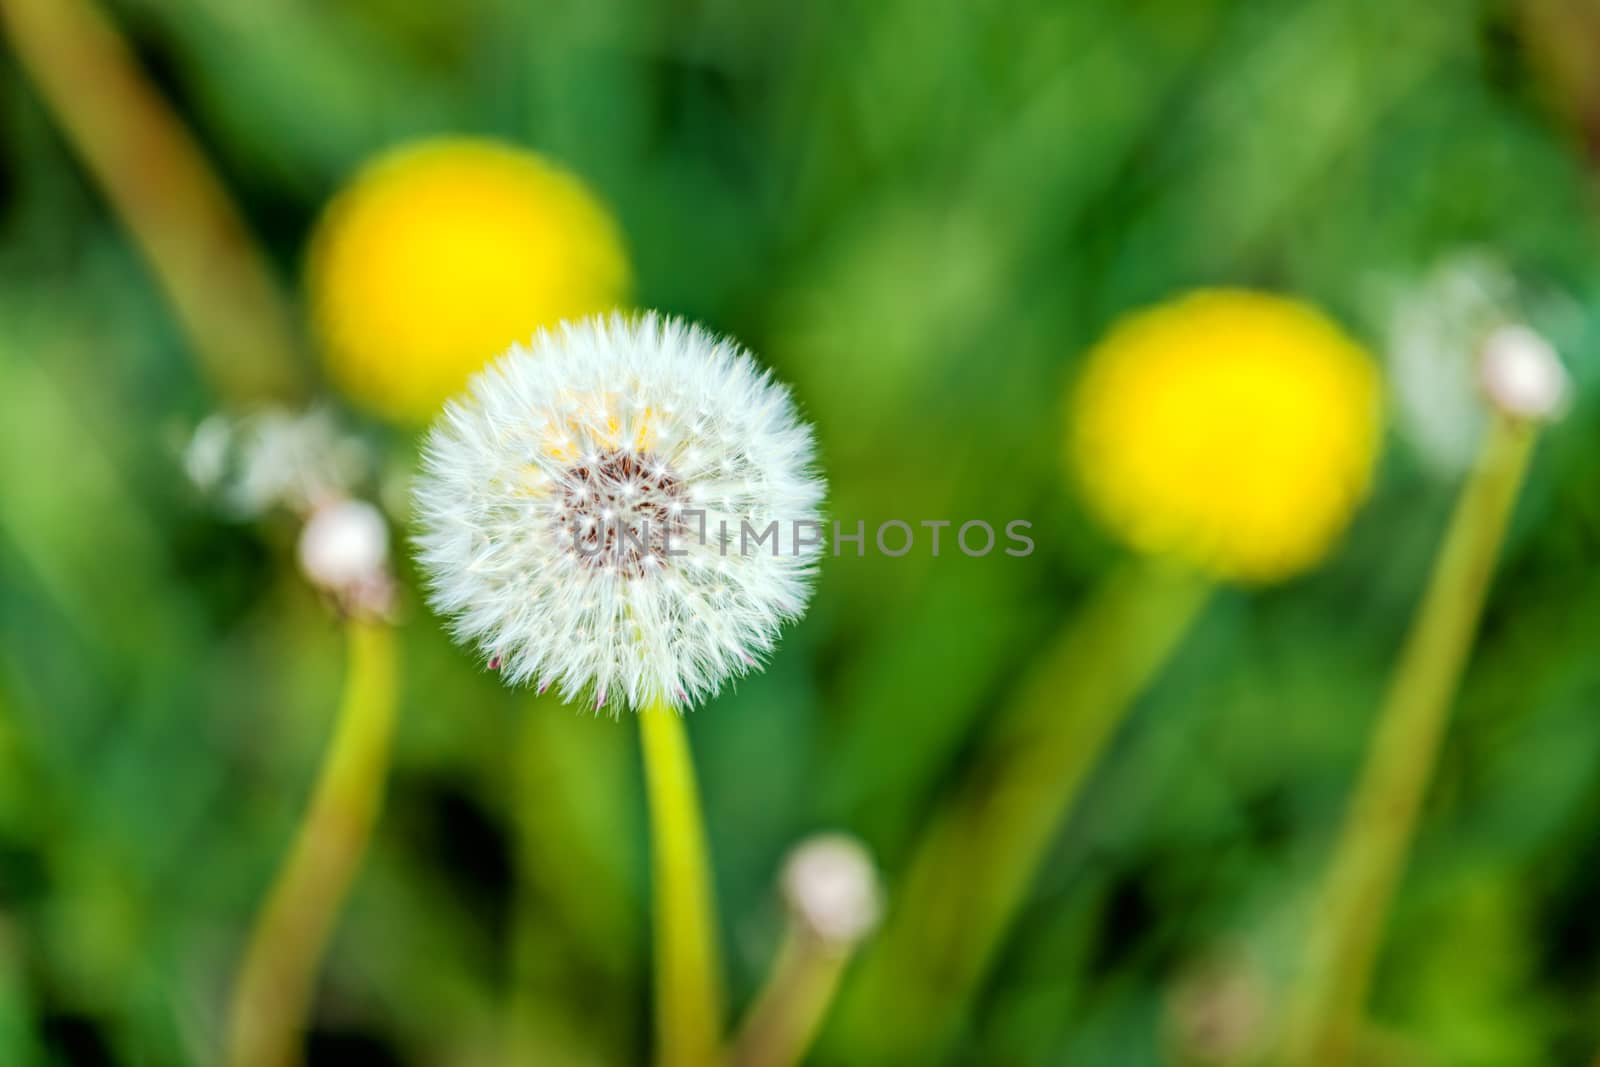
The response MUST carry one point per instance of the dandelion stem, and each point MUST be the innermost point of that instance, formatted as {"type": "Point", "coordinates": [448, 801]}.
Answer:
{"type": "Point", "coordinates": [1379, 823]}
{"type": "Point", "coordinates": [274, 988]}
{"type": "Point", "coordinates": [688, 977]}
{"type": "Point", "coordinates": [158, 180]}
{"type": "Point", "coordinates": [972, 869]}
{"type": "Point", "coordinates": [790, 1008]}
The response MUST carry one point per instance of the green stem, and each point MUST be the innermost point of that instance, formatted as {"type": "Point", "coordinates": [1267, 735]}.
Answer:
{"type": "Point", "coordinates": [789, 1010]}
{"type": "Point", "coordinates": [1382, 816]}
{"type": "Point", "coordinates": [972, 870]}
{"type": "Point", "coordinates": [274, 989]}
{"type": "Point", "coordinates": [20, 794]}
{"type": "Point", "coordinates": [160, 183]}
{"type": "Point", "coordinates": [688, 976]}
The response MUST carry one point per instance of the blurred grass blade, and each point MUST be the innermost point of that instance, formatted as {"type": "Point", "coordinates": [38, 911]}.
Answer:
{"type": "Point", "coordinates": [274, 989]}
{"type": "Point", "coordinates": [159, 182]}
{"type": "Point", "coordinates": [1370, 855]}
{"type": "Point", "coordinates": [575, 922]}
{"type": "Point", "coordinates": [972, 869]}
{"type": "Point", "coordinates": [688, 975]}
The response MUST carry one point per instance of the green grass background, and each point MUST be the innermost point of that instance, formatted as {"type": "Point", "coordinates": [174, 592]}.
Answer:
{"type": "Point", "coordinates": [919, 212]}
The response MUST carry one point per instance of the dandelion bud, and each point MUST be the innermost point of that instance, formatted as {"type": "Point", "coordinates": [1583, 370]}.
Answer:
{"type": "Point", "coordinates": [1522, 375]}
{"type": "Point", "coordinates": [830, 884]}
{"type": "Point", "coordinates": [344, 551]}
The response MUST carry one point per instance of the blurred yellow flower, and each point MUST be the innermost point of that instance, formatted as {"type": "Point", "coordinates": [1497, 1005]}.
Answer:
{"type": "Point", "coordinates": [1234, 431]}
{"type": "Point", "coordinates": [439, 255]}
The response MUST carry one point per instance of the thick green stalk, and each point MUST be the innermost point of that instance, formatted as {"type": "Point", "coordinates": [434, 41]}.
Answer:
{"type": "Point", "coordinates": [274, 989]}
{"type": "Point", "coordinates": [688, 991]}
{"type": "Point", "coordinates": [972, 870]}
{"type": "Point", "coordinates": [1379, 824]}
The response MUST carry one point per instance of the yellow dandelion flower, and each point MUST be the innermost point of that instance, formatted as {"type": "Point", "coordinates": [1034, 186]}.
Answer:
{"type": "Point", "coordinates": [439, 255]}
{"type": "Point", "coordinates": [1234, 431]}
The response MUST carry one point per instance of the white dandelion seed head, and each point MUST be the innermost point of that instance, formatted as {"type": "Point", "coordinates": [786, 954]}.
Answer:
{"type": "Point", "coordinates": [583, 510]}
{"type": "Point", "coordinates": [1435, 325]}
{"type": "Point", "coordinates": [830, 883]}
{"type": "Point", "coordinates": [275, 458]}
{"type": "Point", "coordinates": [1456, 339]}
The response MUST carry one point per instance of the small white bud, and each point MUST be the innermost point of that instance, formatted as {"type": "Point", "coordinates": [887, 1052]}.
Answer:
{"type": "Point", "coordinates": [830, 884]}
{"type": "Point", "coordinates": [1522, 375]}
{"type": "Point", "coordinates": [344, 546]}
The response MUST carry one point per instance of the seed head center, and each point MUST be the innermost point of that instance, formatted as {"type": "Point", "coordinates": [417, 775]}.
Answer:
{"type": "Point", "coordinates": [618, 510]}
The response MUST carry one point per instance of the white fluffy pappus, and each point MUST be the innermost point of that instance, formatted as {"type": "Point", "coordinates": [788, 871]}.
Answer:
{"type": "Point", "coordinates": [583, 511]}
